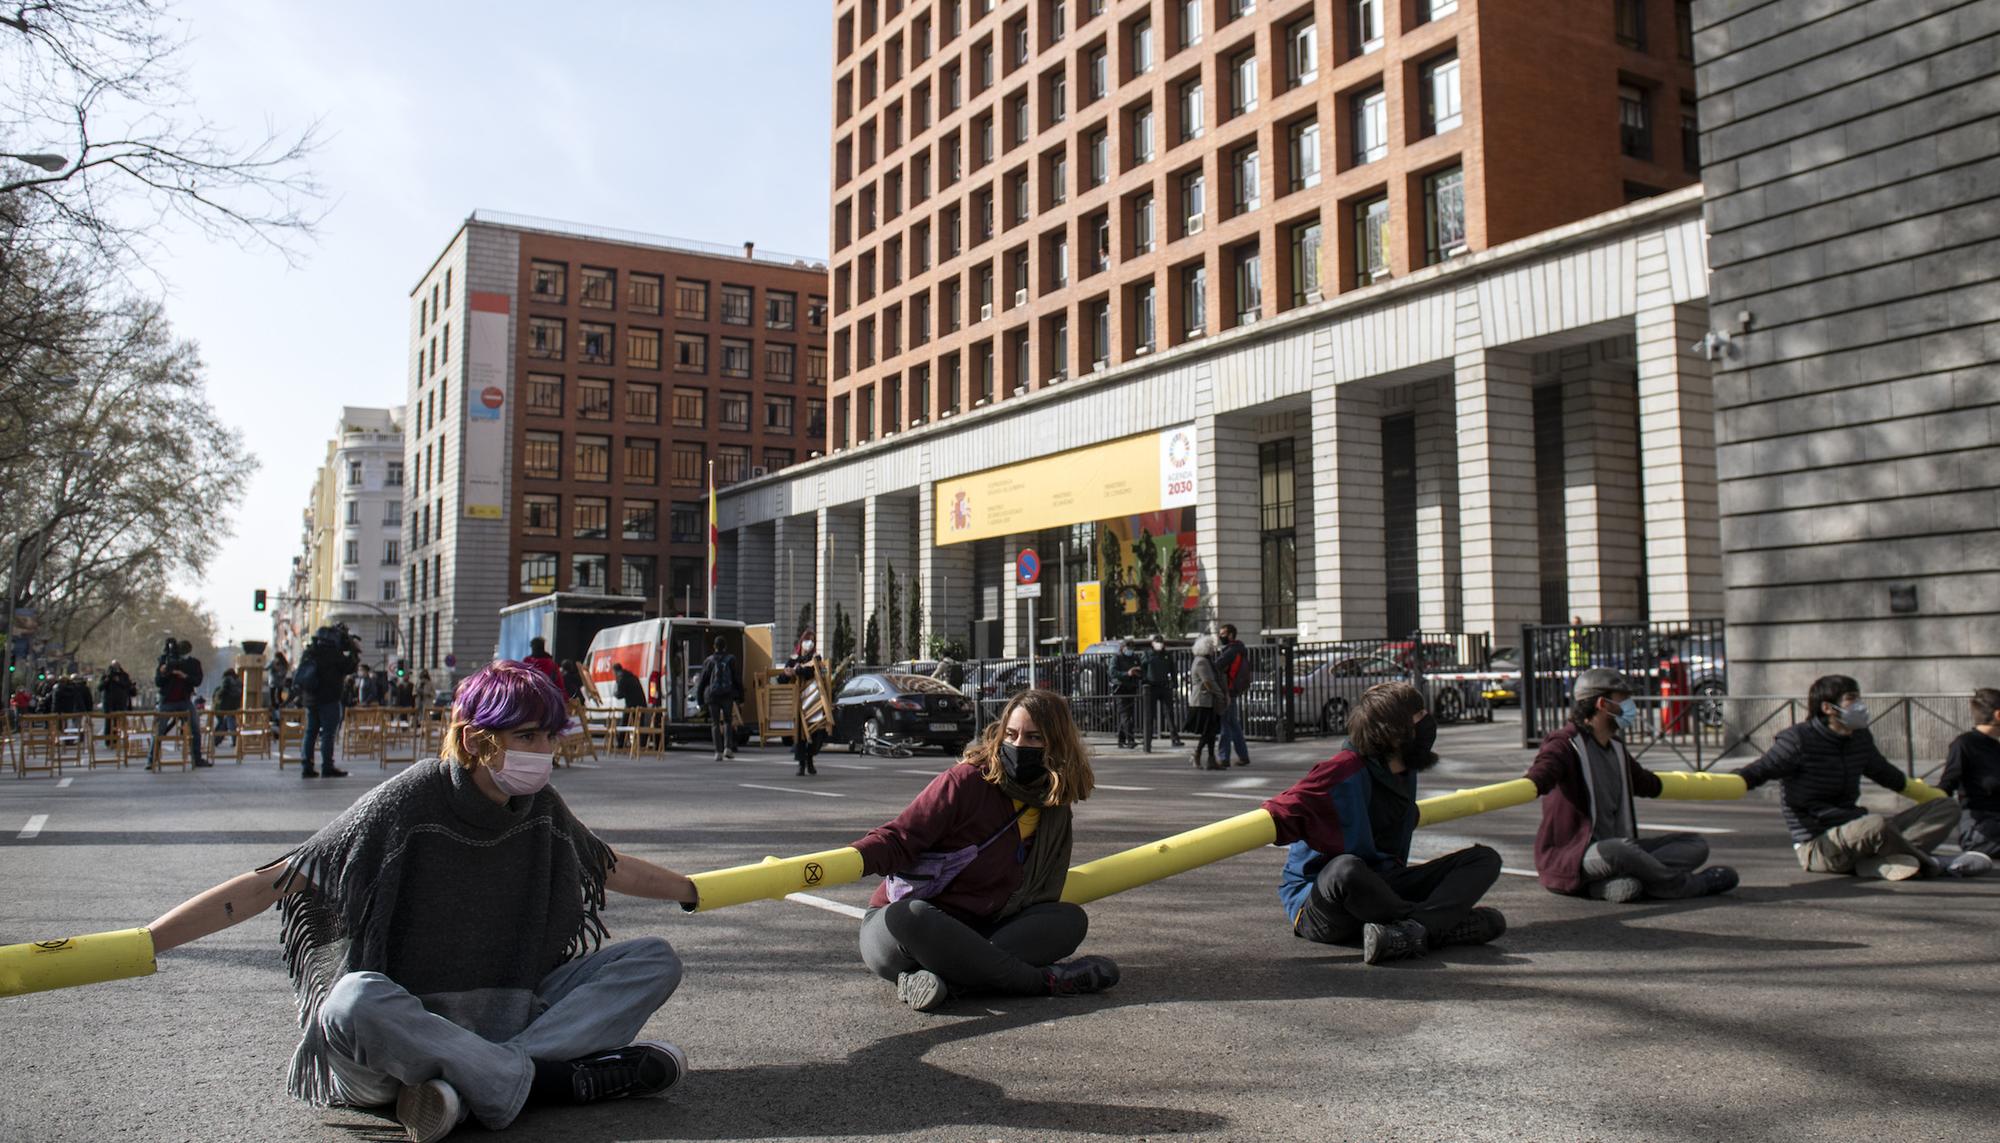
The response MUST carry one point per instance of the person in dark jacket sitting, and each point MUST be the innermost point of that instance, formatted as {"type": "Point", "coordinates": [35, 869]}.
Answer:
{"type": "Point", "coordinates": [1589, 843]}
{"type": "Point", "coordinates": [1972, 773]}
{"type": "Point", "coordinates": [1348, 879]}
{"type": "Point", "coordinates": [1000, 924]}
{"type": "Point", "coordinates": [1819, 764]}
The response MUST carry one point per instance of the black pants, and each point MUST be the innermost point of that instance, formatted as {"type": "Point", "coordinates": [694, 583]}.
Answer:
{"type": "Point", "coordinates": [721, 712]}
{"type": "Point", "coordinates": [1437, 894]}
{"type": "Point", "coordinates": [1006, 957]}
{"type": "Point", "coordinates": [804, 745]}
{"type": "Point", "coordinates": [1128, 716]}
{"type": "Point", "coordinates": [1162, 721]}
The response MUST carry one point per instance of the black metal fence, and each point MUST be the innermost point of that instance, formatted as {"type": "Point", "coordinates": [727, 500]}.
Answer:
{"type": "Point", "coordinates": [1702, 732]}
{"type": "Point", "coordinates": [1683, 660]}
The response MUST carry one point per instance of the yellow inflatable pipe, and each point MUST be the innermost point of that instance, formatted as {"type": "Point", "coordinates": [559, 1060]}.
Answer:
{"type": "Point", "coordinates": [1920, 791]}
{"type": "Point", "coordinates": [1168, 856]}
{"type": "Point", "coordinates": [93, 959]}
{"type": "Point", "coordinates": [775, 877]}
{"type": "Point", "coordinates": [1478, 800]}
{"type": "Point", "coordinates": [1706, 787]}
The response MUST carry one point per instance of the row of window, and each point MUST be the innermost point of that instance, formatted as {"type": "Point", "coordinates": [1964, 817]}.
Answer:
{"type": "Point", "coordinates": [548, 341]}
{"type": "Point", "coordinates": [597, 288]}
{"type": "Point", "coordinates": [392, 550]}
{"type": "Point", "coordinates": [430, 308]}
{"type": "Point", "coordinates": [591, 457]}
{"type": "Point", "coordinates": [590, 519]}
{"type": "Point", "coordinates": [543, 396]}
{"type": "Point", "coordinates": [589, 572]}
{"type": "Point", "coordinates": [350, 591]}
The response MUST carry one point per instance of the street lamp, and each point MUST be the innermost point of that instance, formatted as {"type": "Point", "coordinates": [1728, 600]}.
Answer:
{"type": "Point", "coordinates": [49, 163]}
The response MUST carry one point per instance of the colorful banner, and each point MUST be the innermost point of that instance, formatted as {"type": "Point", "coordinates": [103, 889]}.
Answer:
{"type": "Point", "coordinates": [486, 388]}
{"type": "Point", "coordinates": [1089, 615]}
{"type": "Point", "coordinates": [1126, 477]}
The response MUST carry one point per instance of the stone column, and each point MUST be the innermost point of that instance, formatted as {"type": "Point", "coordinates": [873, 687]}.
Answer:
{"type": "Point", "coordinates": [1498, 557]}
{"type": "Point", "coordinates": [757, 575]}
{"type": "Point", "coordinates": [839, 560]}
{"type": "Point", "coordinates": [1683, 539]}
{"type": "Point", "coordinates": [1601, 517]}
{"type": "Point", "coordinates": [795, 573]}
{"type": "Point", "coordinates": [946, 575]}
{"type": "Point", "coordinates": [886, 521]}
{"type": "Point", "coordinates": [1349, 561]}
{"type": "Point", "coordinates": [1303, 496]}
{"type": "Point", "coordinates": [1226, 522]}
{"type": "Point", "coordinates": [1440, 605]}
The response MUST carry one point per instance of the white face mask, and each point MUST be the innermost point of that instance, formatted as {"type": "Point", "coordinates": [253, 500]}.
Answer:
{"type": "Point", "coordinates": [524, 772]}
{"type": "Point", "coordinates": [806, 648]}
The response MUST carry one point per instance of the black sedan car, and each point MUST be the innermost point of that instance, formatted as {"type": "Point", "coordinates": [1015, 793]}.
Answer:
{"type": "Point", "coordinates": [909, 709]}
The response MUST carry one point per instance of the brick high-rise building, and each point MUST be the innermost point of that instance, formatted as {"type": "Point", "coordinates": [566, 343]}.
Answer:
{"type": "Point", "coordinates": [569, 387]}
{"type": "Point", "coordinates": [1026, 191]}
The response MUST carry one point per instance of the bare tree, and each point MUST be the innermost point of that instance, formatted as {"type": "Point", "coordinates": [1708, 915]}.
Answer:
{"type": "Point", "coordinates": [99, 84]}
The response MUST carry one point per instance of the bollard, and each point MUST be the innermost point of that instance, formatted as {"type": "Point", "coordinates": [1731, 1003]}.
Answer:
{"type": "Point", "coordinates": [92, 959]}
{"type": "Point", "coordinates": [774, 877]}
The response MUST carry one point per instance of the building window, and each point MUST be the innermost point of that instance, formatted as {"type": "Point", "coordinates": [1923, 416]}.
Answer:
{"type": "Point", "coordinates": [1191, 110]}
{"type": "Point", "coordinates": [736, 305]}
{"type": "Point", "coordinates": [1303, 139]}
{"type": "Point", "coordinates": [1690, 138]}
{"type": "Point", "coordinates": [1142, 134]}
{"type": "Point", "coordinates": [732, 464]}
{"type": "Point", "coordinates": [735, 358]}
{"type": "Point", "coordinates": [1098, 143]}
{"type": "Point", "coordinates": [1147, 332]}
{"type": "Point", "coordinates": [598, 288]}
{"type": "Point", "coordinates": [779, 363]}
{"type": "Point", "coordinates": [1246, 179]}
{"type": "Point", "coordinates": [778, 415]}
{"type": "Point", "coordinates": [638, 575]}
{"type": "Point", "coordinates": [684, 524]}
{"type": "Point", "coordinates": [816, 417]}
{"type": "Point", "coordinates": [1684, 29]}
{"type": "Point", "coordinates": [1428, 10]}
{"type": "Point", "coordinates": [1371, 241]}
{"type": "Point", "coordinates": [1194, 202]}
{"type": "Point", "coordinates": [691, 352]}
{"type": "Point", "coordinates": [1190, 21]}
{"type": "Point", "coordinates": [1437, 83]}
{"type": "Point", "coordinates": [1305, 263]}
{"type": "Point", "coordinates": [1635, 122]}
{"type": "Point", "coordinates": [780, 309]}
{"type": "Point", "coordinates": [548, 282]}
{"type": "Point", "coordinates": [1243, 83]}
{"type": "Point", "coordinates": [816, 366]}
{"type": "Point", "coordinates": [1631, 21]}
{"type": "Point", "coordinates": [350, 590]}
{"type": "Point", "coordinates": [351, 553]}
{"type": "Point", "coordinates": [354, 512]}
{"type": "Point", "coordinates": [591, 458]}
{"type": "Point", "coordinates": [1277, 499]}
{"type": "Point", "coordinates": [538, 573]}
{"type": "Point", "coordinates": [596, 348]}
{"type": "Point", "coordinates": [395, 479]}
{"type": "Point", "coordinates": [593, 399]}
{"type": "Point", "coordinates": [1444, 215]}
{"type": "Point", "coordinates": [643, 292]}
{"type": "Point", "coordinates": [587, 571]}
{"type": "Point", "coordinates": [642, 460]}
{"type": "Point", "coordinates": [1301, 53]}
{"type": "Point", "coordinates": [642, 403]}
{"type": "Point", "coordinates": [545, 338]}
{"type": "Point", "coordinates": [590, 518]}
{"type": "Point", "coordinates": [1099, 70]}
{"type": "Point", "coordinates": [1142, 46]}
{"type": "Point", "coordinates": [1142, 223]}
{"type": "Point", "coordinates": [1370, 110]}
{"type": "Point", "coordinates": [538, 514]}
{"type": "Point", "coordinates": [690, 407]}
{"type": "Point", "coordinates": [688, 457]}
{"type": "Point", "coordinates": [541, 455]}
{"type": "Point", "coordinates": [691, 299]}
{"type": "Point", "coordinates": [733, 411]}
{"type": "Point", "coordinates": [777, 458]}
{"type": "Point", "coordinates": [642, 348]}
{"type": "Point", "coordinates": [544, 395]}
{"type": "Point", "coordinates": [1249, 284]}
{"type": "Point", "coordinates": [1364, 22]}
{"type": "Point", "coordinates": [1194, 300]}
{"type": "Point", "coordinates": [640, 520]}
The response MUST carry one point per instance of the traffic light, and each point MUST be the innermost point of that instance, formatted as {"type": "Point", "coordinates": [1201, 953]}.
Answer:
{"type": "Point", "coordinates": [260, 599]}
{"type": "Point", "coordinates": [402, 668]}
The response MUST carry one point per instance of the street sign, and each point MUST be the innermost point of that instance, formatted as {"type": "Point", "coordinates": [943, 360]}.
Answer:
{"type": "Point", "coordinates": [1027, 567]}
{"type": "Point", "coordinates": [451, 660]}
{"type": "Point", "coordinates": [1027, 591]}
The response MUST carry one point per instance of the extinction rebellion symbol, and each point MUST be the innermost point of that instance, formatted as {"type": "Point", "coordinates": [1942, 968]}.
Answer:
{"type": "Point", "coordinates": [814, 872]}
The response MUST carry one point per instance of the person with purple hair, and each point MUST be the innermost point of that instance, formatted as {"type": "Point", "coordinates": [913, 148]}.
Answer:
{"type": "Point", "coordinates": [443, 935]}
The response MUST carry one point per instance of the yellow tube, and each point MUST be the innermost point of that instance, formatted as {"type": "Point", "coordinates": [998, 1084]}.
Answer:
{"type": "Point", "coordinates": [776, 876]}
{"type": "Point", "coordinates": [1704, 787]}
{"type": "Point", "coordinates": [1920, 791]}
{"type": "Point", "coordinates": [1168, 856]}
{"type": "Point", "coordinates": [1478, 800]}
{"type": "Point", "coordinates": [91, 959]}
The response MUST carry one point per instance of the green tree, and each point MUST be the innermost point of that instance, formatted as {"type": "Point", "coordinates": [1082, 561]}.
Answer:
{"type": "Point", "coordinates": [1111, 577]}
{"type": "Point", "coordinates": [843, 634]}
{"type": "Point", "coordinates": [895, 614]}
{"type": "Point", "coordinates": [805, 620]}
{"type": "Point", "coordinates": [913, 626]}
{"type": "Point", "coordinates": [871, 640]}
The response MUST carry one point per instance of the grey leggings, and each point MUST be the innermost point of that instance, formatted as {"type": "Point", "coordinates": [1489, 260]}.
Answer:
{"type": "Point", "coordinates": [1661, 864]}
{"type": "Point", "coordinates": [1007, 957]}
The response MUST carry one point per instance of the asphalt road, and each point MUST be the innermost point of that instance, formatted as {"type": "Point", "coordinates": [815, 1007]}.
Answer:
{"type": "Point", "coordinates": [1801, 1007]}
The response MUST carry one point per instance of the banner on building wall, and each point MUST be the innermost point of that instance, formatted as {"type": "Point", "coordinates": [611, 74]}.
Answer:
{"type": "Point", "coordinates": [1129, 477]}
{"type": "Point", "coordinates": [484, 455]}
{"type": "Point", "coordinates": [1089, 615]}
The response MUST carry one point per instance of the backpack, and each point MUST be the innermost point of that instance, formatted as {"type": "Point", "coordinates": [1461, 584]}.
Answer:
{"type": "Point", "coordinates": [305, 680]}
{"type": "Point", "coordinates": [1241, 673]}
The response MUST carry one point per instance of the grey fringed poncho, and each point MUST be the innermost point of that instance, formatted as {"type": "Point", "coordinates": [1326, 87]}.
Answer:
{"type": "Point", "coordinates": [464, 902]}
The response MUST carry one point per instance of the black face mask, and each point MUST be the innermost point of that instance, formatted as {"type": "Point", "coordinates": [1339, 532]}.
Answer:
{"type": "Point", "coordinates": [1419, 756]}
{"type": "Point", "coordinates": [1023, 763]}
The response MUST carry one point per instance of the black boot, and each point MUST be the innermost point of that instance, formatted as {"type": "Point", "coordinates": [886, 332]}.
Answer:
{"type": "Point", "coordinates": [1082, 975]}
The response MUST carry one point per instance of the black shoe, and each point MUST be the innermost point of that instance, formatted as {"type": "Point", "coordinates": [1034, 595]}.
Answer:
{"type": "Point", "coordinates": [811, 769]}
{"type": "Point", "coordinates": [1243, 761]}
{"type": "Point", "coordinates": [331, 772]}
{"type": "Point", "coordinates": [1716, 879]}
{"type": "Point", "coordinates": [201, 765]}
{"type": "Point", "coordinates": [1082, 975]}
{"type": "Point", "coordinates": [923, 990]}
{"type": "Point", "coordinates": [1403, 940]}
{"type": "Point", "coordinates": [1483, 925]}
{"type": "Point", "coordinates": [802, 770]}
{"type": "Point", "coordinates": [308, 772]}
{"type": "Point", "coordinates": [646, 1068]}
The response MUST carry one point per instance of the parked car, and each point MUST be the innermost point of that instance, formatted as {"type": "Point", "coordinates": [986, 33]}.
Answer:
{"type": "Point", "coordinates": [1326, 686]}
{"type": "Point", "coordinates": [1701, 656]}
{"type": "Point", "coordinates": [913, 709]}
{"type": "Point", "coordinates": [1504, 692]}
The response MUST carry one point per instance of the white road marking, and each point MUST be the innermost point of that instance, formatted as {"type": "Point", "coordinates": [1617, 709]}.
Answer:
{"type": "Point", "coordinates": [1245, 783]}
{"type": "Point", "coordinates": [920, 773]}
{"type": "Point", "coordinates": [829, 906]}
{"type": "Point", "coordinates": [33, 827]}
{"type": "Point", "coordinates": [1127, 789]}
{"type": "Point", "coordinates": [64, 784]}
{"type": "Point", "coordinates": [847, 766]}
{"type": "Point", "coordinates": [1517, 872]}
{"type": "Point", "coordinates": [1651, 825]}
{"type": "Point", "coordinates": [791, 790]}
{"type": "Point", "coordinates": [1239, 797]}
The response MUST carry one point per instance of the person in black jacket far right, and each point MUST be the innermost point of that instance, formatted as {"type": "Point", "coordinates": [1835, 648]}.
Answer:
{"type": "Point", "coordinates": [1818, 764]}
{"type": "Point", "coordinates": [1972, 774]}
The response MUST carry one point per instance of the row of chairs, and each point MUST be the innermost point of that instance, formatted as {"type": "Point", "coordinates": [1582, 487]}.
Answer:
{"type": "Point", "coordinates": [45, 743]}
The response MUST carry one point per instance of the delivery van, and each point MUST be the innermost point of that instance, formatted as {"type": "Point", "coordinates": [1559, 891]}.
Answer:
{"type": "Point", "coordinates": [667, 655]}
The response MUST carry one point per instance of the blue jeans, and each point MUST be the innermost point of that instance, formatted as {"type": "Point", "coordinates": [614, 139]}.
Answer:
{"type": "Point", "coordinates": [379, 1037]}
{"type": "Point", "coordinates": [1232, 732]}
{"type": "Point", "coordinates": [323, 723]}
{"type": "Point", "coordinates": [162, 724]}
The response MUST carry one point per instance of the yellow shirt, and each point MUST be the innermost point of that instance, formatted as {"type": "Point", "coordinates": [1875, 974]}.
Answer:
{"type": "Point", "coordinates": [1028, 820]}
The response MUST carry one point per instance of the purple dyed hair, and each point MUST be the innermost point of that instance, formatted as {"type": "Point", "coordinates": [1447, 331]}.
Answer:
{"type": "Point", "coordinates": [505, 694]}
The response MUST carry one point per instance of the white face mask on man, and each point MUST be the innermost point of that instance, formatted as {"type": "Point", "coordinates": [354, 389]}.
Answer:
{"type": "Point", "coordinates": [523, 772]}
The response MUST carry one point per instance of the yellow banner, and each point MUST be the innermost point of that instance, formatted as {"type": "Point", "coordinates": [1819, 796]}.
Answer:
{"type": "Point", "coordinates": [1126, 477]}
{"type": "Point", "coordinates": [1089, 615]}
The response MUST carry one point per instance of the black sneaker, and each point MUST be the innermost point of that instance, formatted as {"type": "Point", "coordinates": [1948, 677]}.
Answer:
{"type": "Point", "coordinates": [1716, 879]}
{"type": "Point", "coordinates": [1483, 925]}
{"type": "Point", "coordinates": [429, 1111]}
{"type": "Point", "coordinates": [1083, 975]}
{"type": "Point", "coordinates": [646, 1068]}
{"type": "Point", "coordinates": [922, 990]}
{"type": "Point", "coordinates": [1403, 940]}
{"type": "Point", "coordinates": [332, 772]}
{"type": "Point", "coordinates": [308, 772]}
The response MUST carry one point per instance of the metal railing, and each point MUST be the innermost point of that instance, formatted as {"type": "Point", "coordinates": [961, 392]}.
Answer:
{"type": "Point", "coordinates": [1702, 732]}
{"type": "Point", "coordinates": [1685, 658]}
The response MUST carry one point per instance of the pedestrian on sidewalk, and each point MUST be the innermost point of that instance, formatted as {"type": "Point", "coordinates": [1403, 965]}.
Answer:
{"type": "Point", "coordinates": [445, 940]}
{"type": "Point", "coordinates": [1206, 698]}
{"type": "Point", "coordinates": [720, 685]}
{"type": "Point", "coordinates": [1161, 716]}
{"type": "Point", "coordinates": [1232, 662]}
{"type": "Point", "coordinates": [1972, 773]}
{"type": "Point", "coordinates": [321, 680]}
{"type": "Point", "coordinates": [1127, 680]}
{"type": "Point", "coordinates": [1818, 764]}
{"type": "Point", "coordinates": [808, 670]}
{"type": "Point", "coordinates": [1589, 844]}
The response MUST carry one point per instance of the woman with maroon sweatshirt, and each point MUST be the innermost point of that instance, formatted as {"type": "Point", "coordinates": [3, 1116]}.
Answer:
{"type": "Point", "coordinates": [1001, 818]}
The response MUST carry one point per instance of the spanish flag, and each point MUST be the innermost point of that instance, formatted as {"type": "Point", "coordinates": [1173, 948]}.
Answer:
{"type": "Point", "coordinates": [714, 541]}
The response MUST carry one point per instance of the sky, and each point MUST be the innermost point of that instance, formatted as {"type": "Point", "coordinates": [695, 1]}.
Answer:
{"type": "Point", "coordinates": [703, 119]}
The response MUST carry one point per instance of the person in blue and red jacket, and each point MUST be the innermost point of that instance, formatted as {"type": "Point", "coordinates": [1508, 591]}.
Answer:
{"type": "Point", "coordinates": [1348, 879]}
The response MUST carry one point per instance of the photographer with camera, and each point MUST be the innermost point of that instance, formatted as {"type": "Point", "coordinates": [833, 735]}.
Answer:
{"type": "Point", "coordinates": [320, 681]}
{"type": "Point", "coordinates": [177, 675]}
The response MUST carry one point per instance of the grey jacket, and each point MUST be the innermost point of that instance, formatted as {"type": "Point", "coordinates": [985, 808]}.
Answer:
{"type": "Point", "coordinates": [1207, 690]}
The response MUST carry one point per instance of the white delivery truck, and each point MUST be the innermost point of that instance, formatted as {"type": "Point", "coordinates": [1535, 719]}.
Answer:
{"type": "Point", "coordinates": [667, 655]}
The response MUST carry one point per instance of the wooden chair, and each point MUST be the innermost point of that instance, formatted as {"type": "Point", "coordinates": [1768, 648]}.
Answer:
{"type": "Point", "coordinates": [170, 729]}
{"type": "Point", "coordinates": [255, 737]}
{"type": "Point", "coordinates": [577, 740]}
{"type": "Point", "coordinates": [437, 721]}
{"type": "Point", "coordinates": [210, 720]}
{"type": "Point", "coordinates": [602, 724]}
{"type": "Point", "coordinates": [642, 726]}
{"type": "Point", "coordinates": [35, 752]}
{"type": "Point", "coordinates": [361, 733]}
{"type": "Point", "coordinates": [75, 743]}
{"type": "Point", "coordinates": [402, 736]}
{"type": "Point", "coordinates": [289, 730]}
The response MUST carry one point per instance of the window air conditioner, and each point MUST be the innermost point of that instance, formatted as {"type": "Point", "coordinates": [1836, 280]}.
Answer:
{"type": "Point", "coordinates": [1142, 350]}
{"type": "Point", "coordinates": [1194, 224]}
{"type": "Point", "coordinates": [1100, 365]}
{"type": "Point", "coordinates": [986, 311]}
{"type": "Point", "coordinates": [1021, 296]}
{"type": "Point", "coordinates": [757, 470]}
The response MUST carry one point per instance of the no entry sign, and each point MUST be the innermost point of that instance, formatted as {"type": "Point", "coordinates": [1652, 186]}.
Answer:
{"type": "Point", "coordinates": [1027, 567]}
